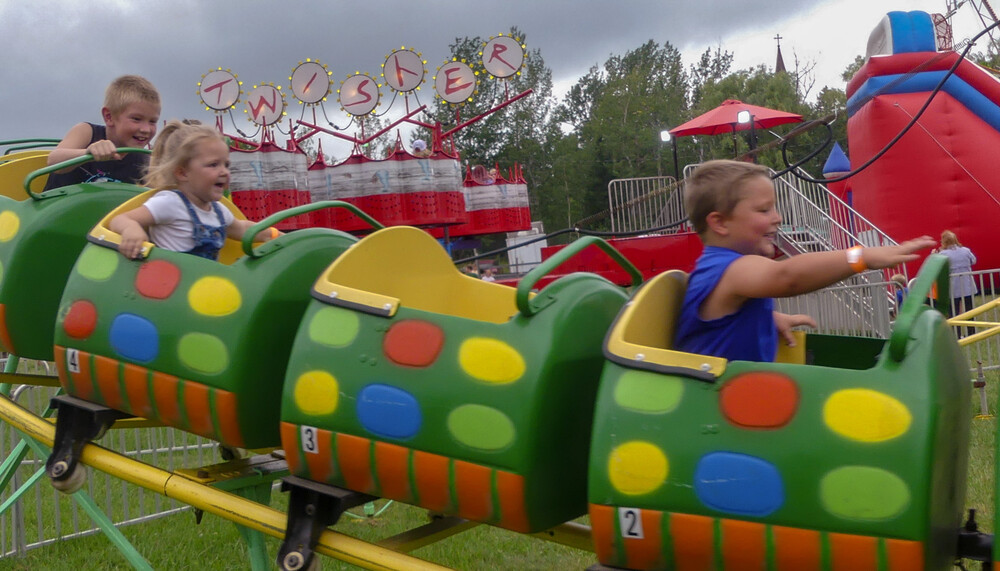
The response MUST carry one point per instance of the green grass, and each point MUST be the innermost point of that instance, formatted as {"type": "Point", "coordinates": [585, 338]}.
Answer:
{"type": "Point", "coordinates": [50, 514]}
{"type": "Point", "coordinates": [982, 450]}
{"type": "Point", "coordinates": [176, 542]}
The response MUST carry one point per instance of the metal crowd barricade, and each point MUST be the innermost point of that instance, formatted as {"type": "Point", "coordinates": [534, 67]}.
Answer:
{"type": "Point", "coordinates": [648, 202]}
{"type": "Point", "coordinates": [857, 307]}
{"type": "Point", "coordinates": [34, 514]}
{"type": "Point", "coordinates": [838, 310]}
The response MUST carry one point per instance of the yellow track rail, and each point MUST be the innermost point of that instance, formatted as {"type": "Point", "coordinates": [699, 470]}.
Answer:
{"type": "Point", "coordinates": [965, 319]}
{"type": "Point", "coordinates": [223, 504]}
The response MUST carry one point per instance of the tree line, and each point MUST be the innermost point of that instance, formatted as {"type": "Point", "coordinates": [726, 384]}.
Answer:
{"type": "Point", "coordinates": [607, 126]}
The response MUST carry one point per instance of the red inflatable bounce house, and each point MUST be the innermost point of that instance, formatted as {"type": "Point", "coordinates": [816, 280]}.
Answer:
{"type": "Point", "coordinates": [942, 174]}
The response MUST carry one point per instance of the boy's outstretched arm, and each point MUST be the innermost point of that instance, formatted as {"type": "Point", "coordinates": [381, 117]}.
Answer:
{"type": "Point", "coordinates": [759, 277]}
{"type": "Point", "coordinates": [77, 143]}
{"type": "Point", "coordinates": [133, 227]}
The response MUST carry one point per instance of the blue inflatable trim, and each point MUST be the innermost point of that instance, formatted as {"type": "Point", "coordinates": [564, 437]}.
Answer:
{"type": "Point", "coordinates": [912, 32]}
{"type": "Point", "coordinates": [964, 93]}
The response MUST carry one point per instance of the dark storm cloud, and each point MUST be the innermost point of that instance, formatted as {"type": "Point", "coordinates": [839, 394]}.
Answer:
{"type": "Point", "coordinates": [59, 55]}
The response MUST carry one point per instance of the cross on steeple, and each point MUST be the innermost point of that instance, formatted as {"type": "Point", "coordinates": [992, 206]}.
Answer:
{"type": "Point", "coordinates": [779, 64]}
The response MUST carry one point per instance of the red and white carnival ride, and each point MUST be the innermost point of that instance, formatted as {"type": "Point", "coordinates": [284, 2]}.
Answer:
{"type": "Point", "coordinates": [432, 191]}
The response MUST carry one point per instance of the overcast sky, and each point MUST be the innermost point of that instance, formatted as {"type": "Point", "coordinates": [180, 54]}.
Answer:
{"type": "Point", "coordinates": [60, 54]}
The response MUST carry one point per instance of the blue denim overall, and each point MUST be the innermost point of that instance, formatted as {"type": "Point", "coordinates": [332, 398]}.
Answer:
{"type": "Point", "coordinates": [208, 240]}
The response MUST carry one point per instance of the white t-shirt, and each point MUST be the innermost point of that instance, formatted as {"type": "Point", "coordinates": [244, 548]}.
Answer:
{"type": "Point", "coordinates": [173, 229]}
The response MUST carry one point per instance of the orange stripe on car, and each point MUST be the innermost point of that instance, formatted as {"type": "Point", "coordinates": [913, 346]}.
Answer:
{"type": "Point", "coordinates": [137, 390]}
{"type": "Point", "coordinates": [744, 544]}
{"type": "Point", "coordinates": [513, 505]}
{"type": "Point", "coordinates": [227, 415]}
{"type": "Point", "coordinates": [693, 540]}
{"type": "Point", "coordinates": [853, 552]}
{"type": "Point", "coordinates": [198, 412]}
{"type": "Point", "coordinates": [646, 552]}
{"type": "Point", "coordinates": [392, 468]}
{"type": "Point", "coordinates": [354, 458]}
{"type": "Point", "coordinates": [107, 379]}
{"type": "Point", "coordinates": [796, 549]}
{"type": "Point", "coordinates": [475, 494]}
{"type": "Point", "coordinates": [167, 399]}
{"type": "Point", "coordinates": [320, 462]}
{"type": "Point", "coordinates": [431, 475]}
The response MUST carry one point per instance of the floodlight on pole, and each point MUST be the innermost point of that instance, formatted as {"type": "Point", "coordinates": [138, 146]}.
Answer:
{"type": "Point", "coordinates": [666, 137]}
{"type": "Point", "coordinates": [744, 117]}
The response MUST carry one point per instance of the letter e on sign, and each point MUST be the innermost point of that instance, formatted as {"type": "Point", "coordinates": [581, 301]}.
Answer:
{"type": "Point", "coordinates": [455, 82]}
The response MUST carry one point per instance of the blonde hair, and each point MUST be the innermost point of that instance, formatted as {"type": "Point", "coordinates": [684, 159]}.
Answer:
{"type": "Point", "coordinates": [174, 148]}
{"type": "Point", "coordinates": [129, 89]}
{"type": "Point", "coordinates": [948, 239]}
{"type": "Point", "coordinates": [717, 186]}
{"type": "Point", "coordinates": [898, 279]}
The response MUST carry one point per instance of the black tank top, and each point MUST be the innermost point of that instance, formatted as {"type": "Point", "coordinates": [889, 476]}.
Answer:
{"type": "Point", "coordinates": [130, 169]}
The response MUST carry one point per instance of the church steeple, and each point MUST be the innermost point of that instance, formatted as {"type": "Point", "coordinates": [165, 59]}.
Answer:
{"type": "Point", "coordinates": [779, 65]}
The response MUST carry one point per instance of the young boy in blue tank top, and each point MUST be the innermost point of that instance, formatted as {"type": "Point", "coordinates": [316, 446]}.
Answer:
{"type": "Point", "coordinates": [728, 309]}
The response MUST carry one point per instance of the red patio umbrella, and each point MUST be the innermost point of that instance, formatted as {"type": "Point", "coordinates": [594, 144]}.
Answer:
{"type": "Point", "coordinates": [722, 119]}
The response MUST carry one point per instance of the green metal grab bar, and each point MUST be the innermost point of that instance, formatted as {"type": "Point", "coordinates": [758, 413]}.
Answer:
{"type": "Point", "coordinates": [66, 164]}
{"type": "Point", "coordinates": [528, 305]}
{"type": "Point", "coordinates": [934, 272]}
{"type": "Point", "coordinates": [295, 211]}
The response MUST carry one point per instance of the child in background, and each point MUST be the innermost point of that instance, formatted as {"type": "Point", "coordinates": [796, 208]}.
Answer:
{"type": "Point", "coordinates": [131, 111]}
{"type": "Point", "coordinates": [899, 281]}
{"type": "Point", "coordinates": [420, 149]}
{"type": "Point", "coordinates": [728, 309]}
{"type": "Point", "coordinates": [192, 164]}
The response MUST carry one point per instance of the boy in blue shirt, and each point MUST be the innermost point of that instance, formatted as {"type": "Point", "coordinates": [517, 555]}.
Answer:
{"type": "Point", "coordinates": [131, 111]}
{"type": "Point", "coordinates": [728, 309]}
